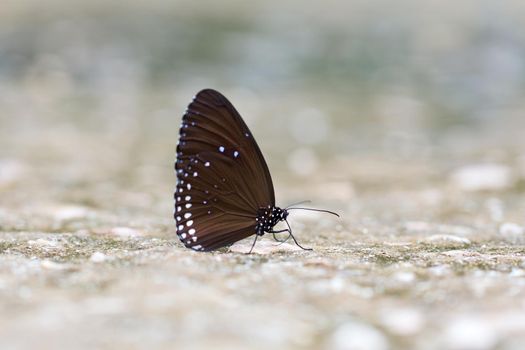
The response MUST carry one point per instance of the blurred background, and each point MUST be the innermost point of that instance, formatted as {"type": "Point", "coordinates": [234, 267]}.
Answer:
{"type": "Point", "coordinates": [315, 82]}
{"type": "Point", "coordinates": [388, 112]}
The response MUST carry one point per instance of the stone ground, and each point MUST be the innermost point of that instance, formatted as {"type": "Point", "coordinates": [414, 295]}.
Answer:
{"type": "Point", "coordinates": [425, 255]}
{"type": "Point", "coordinates": [405, 118]}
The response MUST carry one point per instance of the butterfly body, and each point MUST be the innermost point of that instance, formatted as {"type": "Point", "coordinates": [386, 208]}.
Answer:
{"type": "Point", "coordinates": [267, 218]}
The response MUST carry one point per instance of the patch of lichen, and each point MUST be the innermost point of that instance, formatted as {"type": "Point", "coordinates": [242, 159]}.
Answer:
{"type": "Point", "coordinates": [384, 258]}
{"type": "Point", "coordinates": [5, 246]}
{"type": "Point", "coordinates": [72, 248]}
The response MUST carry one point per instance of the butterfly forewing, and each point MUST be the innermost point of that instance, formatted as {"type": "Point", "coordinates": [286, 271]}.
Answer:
{"type": "Point", "coordinates": [222, 177]}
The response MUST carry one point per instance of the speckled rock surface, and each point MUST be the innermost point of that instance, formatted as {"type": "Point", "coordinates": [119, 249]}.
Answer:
{"type": "Point", "coordinates": [425, 163]}
{"type": "Point", "coordinates": [397, 270]}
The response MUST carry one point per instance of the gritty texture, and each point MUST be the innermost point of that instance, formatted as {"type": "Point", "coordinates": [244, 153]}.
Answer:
{"type": "Point", "coordinates": [100, 265]}
{"type": "Point", "coordinates": [412, 133]}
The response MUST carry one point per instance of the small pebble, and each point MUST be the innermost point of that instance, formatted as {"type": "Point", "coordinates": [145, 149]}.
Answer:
{"type": "Point", "coordinates": [44, 243]}
{"type": "Point", "coordinates": [125, 232]}
{"type": "Point", "coordinates": [483, 177]}
{"type": "Point", "coordinates": [98, 257]}
{"type": "Point", "coordinates": [440, 270]}
{"type": "Point", "coordinates": [462, 254]}
{"type": "Point", "coordinates": [517, 273]}
{"type": "Point", "coordinates": [404, 276]}
{"type": "Point", "coordinates": [357, 336]}
{"type": "Point", "coordinates": [449, 241]}
{"type": "Point", "coordinates": [402, 321]}
{"type": "Point", "coordinates": [469, 333]}
{"type": "Point", "coordinates": [51, 265]}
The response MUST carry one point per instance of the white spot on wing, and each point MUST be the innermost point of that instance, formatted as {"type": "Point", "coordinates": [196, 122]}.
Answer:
{"type": "Point", "coordinates": [187, 198]}
{"type": "Point", "coordinates": [188, 205]}
{"type": "Point", "coordinates": [221, 149]}
{"type": "Point", "coordinates": [189, 223]}
{"type": "Point", "coordinates": [195, 174]}
{"type": "Point", "coordinates": [235, 154]}
{"type": "Point", "coordinates": [191, 231]}
{"type": "Point", "coordinates": [188, 186]}
{"type": "Point", "coordinates": [207, 164]}
{"type": "Point", "coordinates": [187, 215]}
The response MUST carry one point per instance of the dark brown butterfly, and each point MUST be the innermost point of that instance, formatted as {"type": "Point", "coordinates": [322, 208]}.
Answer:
{"type": "Point", "coordinates": [224, 188]}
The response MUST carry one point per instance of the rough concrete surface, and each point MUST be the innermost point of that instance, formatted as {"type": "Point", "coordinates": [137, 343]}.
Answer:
{"type": "Point", "coordinates": [406, 120]}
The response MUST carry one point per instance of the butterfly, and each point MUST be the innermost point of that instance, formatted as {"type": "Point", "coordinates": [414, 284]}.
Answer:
{"type": "Point", "coordinates": [224, 189]}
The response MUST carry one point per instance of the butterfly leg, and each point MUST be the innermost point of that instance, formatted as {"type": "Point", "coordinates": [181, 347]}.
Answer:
{"type": "Point", "coordinates": [275, 237]}
{"type": "Point", "coordinates": [253, 244]}
{"type": "Point", "coordinates": [286, 239]}
{"type": "Point", "coordinates": [291, 234]}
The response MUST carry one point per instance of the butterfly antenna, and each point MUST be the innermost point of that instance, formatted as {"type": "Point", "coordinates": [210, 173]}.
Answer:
{"type": "Point", "coordinates": [319, 210]}
{"type": "Point", "coordinates": [291, 234]}
{"type": "Point", "coordinates": [301, 202]}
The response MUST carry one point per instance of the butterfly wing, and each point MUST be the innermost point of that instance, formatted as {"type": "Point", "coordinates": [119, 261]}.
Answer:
{"type": "Point", "coordinates": [222, 177]}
